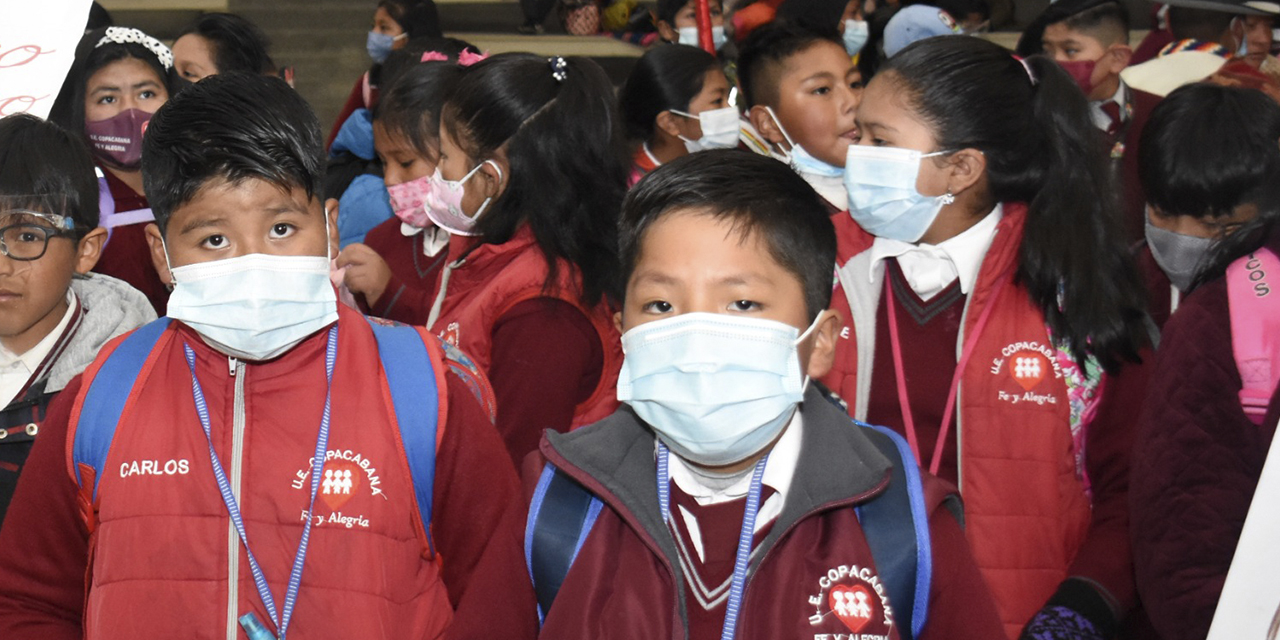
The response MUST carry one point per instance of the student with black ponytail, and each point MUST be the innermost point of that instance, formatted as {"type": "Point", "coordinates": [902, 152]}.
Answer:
{"type": "Point", "coordinates": [530, 179]}
{"type": "Point", "coordinates": [995, 320]}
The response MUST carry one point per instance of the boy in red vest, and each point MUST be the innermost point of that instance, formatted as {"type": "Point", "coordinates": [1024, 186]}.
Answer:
{"type": "Point", "coordinates": [772, 514]}
{"type": "Point", "coordinates": [1090, 40]}
{"type": "Point", "coordinates": [263, 460]}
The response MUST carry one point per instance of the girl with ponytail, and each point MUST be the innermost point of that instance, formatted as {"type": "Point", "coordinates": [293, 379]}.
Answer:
{"type": "Point", "coordinates": [531, 174]}
{"type": "Point", "coordinates": [995, 319]}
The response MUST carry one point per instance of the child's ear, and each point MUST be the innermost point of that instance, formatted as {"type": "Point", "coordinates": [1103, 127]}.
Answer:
{"type": "Point", "coordinates": [494, 177]}
{"type": "Point", "coordinates": [666, 31]}
{"type": "Point", "coordinates": [666, 121]}
{"type": "Point", "coordinates": [967, 168]}
{"type": "Point", "coordinates": [823, 355]}
{"type": "Point", "coordinates": [89, 249]}
{"type": "Point", "coordinates": [766, 125]}
{"type": "Point", "coordinates": [158, 259]}
{"type": "Point", "coordinates": [331, 221]}
{"type": "Point", "coordinates": [1117, 58]}
{"type": "Point", "coordinates": [617, 322]}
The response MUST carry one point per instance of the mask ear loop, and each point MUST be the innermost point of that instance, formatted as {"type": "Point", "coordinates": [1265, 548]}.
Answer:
{"type": "Point", "coordinates": [483, 205]}
{"type": "Point", "coordinates": [805, 336]}
{"type": "Point", "coordinates": [791, 143]}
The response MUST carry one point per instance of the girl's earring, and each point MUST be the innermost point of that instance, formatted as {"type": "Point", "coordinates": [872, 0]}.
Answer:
{"type": "Point", "coordinates": [947, 198]}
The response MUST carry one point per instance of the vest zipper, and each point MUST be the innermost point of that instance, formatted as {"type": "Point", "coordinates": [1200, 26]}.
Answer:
{"type": "Point", "coordinates": [438, 304]}
{"type": "Point", "coordinates": [233, 538]}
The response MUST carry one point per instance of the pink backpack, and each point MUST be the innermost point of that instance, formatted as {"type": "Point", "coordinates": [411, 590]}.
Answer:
{"type": "Point", "coordinates": [1255, 328]}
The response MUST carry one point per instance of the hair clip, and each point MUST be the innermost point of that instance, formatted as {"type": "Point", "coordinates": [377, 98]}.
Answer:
{"type": "Point", "coordinates": [126, 35]}
{"type": "Point", "coordinates": [559, 68]}
{"type": "Point", "coordinates": [1026, 67]}
{"type": "Point", "coordinates": [467, 58]}
{"type": "Point", "coordinates": [434, 56]}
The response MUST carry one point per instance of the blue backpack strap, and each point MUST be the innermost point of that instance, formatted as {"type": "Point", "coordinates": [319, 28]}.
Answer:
{"type": "Point", "coordinates": [896, 525]}
{"type": "Point", "coordinates": [411, 378]}
{"type": "Point", "coordinates": [108, 393]}
{"type": "Point", "coordinates": [560, 518]}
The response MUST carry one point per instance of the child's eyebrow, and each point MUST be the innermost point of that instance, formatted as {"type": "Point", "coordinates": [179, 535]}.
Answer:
{"type": "Point", "coordinates": [146, 83]}
{"type": "Point", "coordinates": [201, 224]}
{"type": "Point", "coordinates": [654, 278]}
{"type": "Point", "coordinates": [821, 75]}
{"type": "Point", "coordinates": [105, 88]}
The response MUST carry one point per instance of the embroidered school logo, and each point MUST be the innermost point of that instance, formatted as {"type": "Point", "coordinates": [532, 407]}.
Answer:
{"type": "Point", "coordinates": [854, 596]}
{"type": "Point", "coordinates": [450, 334]}
{"type": "Point", "coordinates": [340, 481]}
{"type": "Point", "coordinates": [1028, 368]}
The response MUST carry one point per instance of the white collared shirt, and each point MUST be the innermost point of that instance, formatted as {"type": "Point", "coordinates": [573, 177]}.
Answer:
{"type": "Point", "coordinates": [778, 472]}
{"type": "Point", "coordinates": [435, 240]}
{"type": "Point", "coordinates": [931, 268]}
{"type": "Point", "coordinates": [1099, 117]}
{"type": "Point", "coordinates": [16, 369]}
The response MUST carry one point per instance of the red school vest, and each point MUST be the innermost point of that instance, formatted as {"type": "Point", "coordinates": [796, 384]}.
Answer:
{"type": "Point", "coordinates": [161, 542]}
{"type": "Point", "coordinates": [492, 279]}
{"type": "Point", "coordinates": [1026, 508]}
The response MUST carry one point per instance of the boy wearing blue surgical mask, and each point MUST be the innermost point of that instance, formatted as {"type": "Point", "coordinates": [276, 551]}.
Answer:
{"type": "Point", "coordinates": [802, 90]}
{"type": "Point", "coordinates": [729, 498]}
{"type": "Point", "coordinates": [208, 458]}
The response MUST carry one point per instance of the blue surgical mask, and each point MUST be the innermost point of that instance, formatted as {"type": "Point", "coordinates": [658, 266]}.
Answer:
{"type": "Point", "coordinates": [881, 182]}
{"type": "Point", "coordinates": [1179, 256]}
{"type": "Point", "coordinates": [800, 160]}
{"type": "Point", "coordinates": [715, 388]}
{"type": "Point", "coordinates": [379, 45]}
{"type": "Point", "coordinates": [689, 36]}
{"type": "Point", "coordinates": [856, 33]}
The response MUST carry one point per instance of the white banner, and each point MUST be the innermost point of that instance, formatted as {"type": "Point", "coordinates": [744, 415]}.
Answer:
{"type": "Point", "coordinates": [37, 45]}
{"type": "Point", "coordinates": [1249, 608]}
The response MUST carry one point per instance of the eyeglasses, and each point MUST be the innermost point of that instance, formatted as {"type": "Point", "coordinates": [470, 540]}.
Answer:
{"type": "Point", "coordinates": [25, 234]}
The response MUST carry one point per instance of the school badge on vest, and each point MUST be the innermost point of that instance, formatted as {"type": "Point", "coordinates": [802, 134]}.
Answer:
{"type": "Point", "coordinates": [856, 598]}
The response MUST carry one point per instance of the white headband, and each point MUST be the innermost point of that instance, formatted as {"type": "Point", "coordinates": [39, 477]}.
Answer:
{"type": "Point", "coordinates": [125, 35]}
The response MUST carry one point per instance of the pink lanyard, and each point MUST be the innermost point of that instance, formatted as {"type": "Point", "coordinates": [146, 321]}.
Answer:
{"type": "Point", "coordinates": [904, 402]}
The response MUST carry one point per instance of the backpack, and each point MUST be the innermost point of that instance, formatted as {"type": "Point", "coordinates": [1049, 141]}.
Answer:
{"type": "Point", "coordinates": [401, 349]}
{"type": "Point", "coordinates": [1255, 329]}
{"type": "Point", "coordinates": [895, 523]}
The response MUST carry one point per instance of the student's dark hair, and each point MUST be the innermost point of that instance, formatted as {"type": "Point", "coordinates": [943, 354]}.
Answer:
{"type": "Point", "coordinates": [418, 18]}
{"type": "Point", "coordinates": [68, 108]}
{"type": "Point", "coordinates": [50, 168]}
{"type": "Point", "coordinates": [99, 17]}
{"type": "Point", "coordinates": [758, 195]}
{"type": "Point", "coordinates": [237, 43]}
{"type": "Point", "coordinates": [666, 77]}
{"type": "Point", "coordinates": [1251, 236]}
{"type": "Point", "coordinates": [767, 49]}
{"type": "Point", "coordinates": [1207, 149]}
{"type": "Point", "coordinates": [410, 108]}
{"type": "Point", "coordinates": [1188, 23]}
{"type": "Point", "coordinates": [812, 14]}
{"type": "Point", "coordinates": [410, 55]}
{"type": "Point", "coordinates": [567, 157]}
{"type": "Point", "coordinates": [1104, 18]}
{"type": "Point", "coordinates": [666, 10]}
{"type": "Point", "coordinates": [1032, 125]}
{"type": "Point", "coordinates": [232, 126]}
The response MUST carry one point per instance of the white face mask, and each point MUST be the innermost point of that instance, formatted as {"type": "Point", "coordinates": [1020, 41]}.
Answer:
{"type": "Point", "coordinates": [256, 306]}
{"type": "Point", "coordinates": [883, 199]}
{"type": "Point", "coordinates": [715, 388]}
{"type": "Point", "coordinates": [856, 33]}
{"type": "Point", "coordinates": [689, 36]}
{"type": "Point", "coordinates": [800, 160]}
{"type": "Point", "coordinates": [719, 129]}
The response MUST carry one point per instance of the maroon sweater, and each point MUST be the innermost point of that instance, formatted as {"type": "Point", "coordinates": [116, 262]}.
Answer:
{"type": "Point", "coordinates": [127, 255]}
{"type": "Point", "coordinates": [412, 288]}
{"type": "Point", "coordinates": [42, 587]}
{"type": "Point", "coordinates": [1198, 463]}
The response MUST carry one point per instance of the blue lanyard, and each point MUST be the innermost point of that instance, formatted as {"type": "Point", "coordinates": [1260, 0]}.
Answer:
{"type": "Point", "coordinates": [233, 508]}
{"type": "Point", "coordinates": [745, 537]}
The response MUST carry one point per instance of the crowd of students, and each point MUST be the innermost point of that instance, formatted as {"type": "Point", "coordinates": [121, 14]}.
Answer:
{"type": "Point", "coordinates": [949, 345]}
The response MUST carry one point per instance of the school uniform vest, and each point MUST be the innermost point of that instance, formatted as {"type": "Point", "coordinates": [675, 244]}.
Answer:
{"type": "Point", "coordinates": [165, 559]}
{"type": "Point", "coordinates": [1020, 464]}
{"type": "Point", "coordinates": [481, 284]}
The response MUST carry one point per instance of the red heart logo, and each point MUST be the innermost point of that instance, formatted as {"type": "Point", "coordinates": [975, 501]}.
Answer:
{"type": "Point", "coordinates": [1028, 368]}
{"type": "Point", "coordinates": [340, 480]}
{"type": "Point", "coordinates": [853, 605]}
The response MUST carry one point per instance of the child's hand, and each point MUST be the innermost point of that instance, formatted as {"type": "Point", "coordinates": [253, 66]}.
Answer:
{"type": "Point", "coordinates": [367, 273]}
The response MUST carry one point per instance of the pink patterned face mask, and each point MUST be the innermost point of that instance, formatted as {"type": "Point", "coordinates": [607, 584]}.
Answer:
{"type": "Point", "coordinates": [409, 199]}
{"type": "Point", "coordinates": [444, 202]}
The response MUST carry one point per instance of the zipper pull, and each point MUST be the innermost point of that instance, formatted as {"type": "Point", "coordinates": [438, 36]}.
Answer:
{"type": "Point", "coordinates": [231, 366]}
